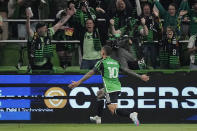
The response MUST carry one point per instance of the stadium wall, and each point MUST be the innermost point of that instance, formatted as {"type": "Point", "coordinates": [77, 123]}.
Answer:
{"type": "Point", "coordinates": [166, 98]}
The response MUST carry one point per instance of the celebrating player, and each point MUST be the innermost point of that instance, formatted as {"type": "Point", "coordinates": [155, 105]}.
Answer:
{"type": "Point", "coordinates": [109, 69]}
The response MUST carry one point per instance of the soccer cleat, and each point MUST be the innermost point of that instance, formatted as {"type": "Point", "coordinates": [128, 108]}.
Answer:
{"type": "Point", "coordinates": [134, 118]}
{"type": "Point", "coordinates": [95, 119]}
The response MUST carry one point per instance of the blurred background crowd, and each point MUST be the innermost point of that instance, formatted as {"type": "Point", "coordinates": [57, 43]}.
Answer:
{"type": "Point", "coordinates": [144, 34]}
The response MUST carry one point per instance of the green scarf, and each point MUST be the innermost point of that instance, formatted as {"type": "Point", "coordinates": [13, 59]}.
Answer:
{"type": "Point", "coordinates": [96, 40]}
{"type": "Point", "coordinates": [81, 17]}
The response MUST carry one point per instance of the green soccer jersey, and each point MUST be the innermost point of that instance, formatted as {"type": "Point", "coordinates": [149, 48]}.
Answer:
{"type": "Point", "coordinates": [109, 69]}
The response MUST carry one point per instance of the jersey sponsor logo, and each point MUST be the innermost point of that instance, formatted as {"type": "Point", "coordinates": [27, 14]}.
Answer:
{"type": "Point", "coordinates": [55, 103]}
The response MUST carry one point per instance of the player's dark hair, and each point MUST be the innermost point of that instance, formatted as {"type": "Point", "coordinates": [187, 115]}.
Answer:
{"type": "Point", "coordinates": [107, 49]}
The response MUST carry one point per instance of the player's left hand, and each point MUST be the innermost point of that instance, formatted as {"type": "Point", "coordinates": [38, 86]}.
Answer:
{"type": "Point", "coordinates": [145, 77]}
{"type": "Point", "coordinates": [73, 84]}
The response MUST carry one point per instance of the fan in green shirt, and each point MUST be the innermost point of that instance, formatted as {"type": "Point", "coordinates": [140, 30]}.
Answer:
{"type": "Point", "coordinates": [40, 46]}
{"type": "Point", "coordinates": [171, 16]}
{"type": "Point", "coordinates": [91, 46]}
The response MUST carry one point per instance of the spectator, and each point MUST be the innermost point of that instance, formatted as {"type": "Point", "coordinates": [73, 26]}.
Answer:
{"type": "Point", "coordinates": [3, 15]}
{"type": "Point", "coordinates": [11, 7]}
{"type": "Point", "coordinates": [120, 11]}
{"type": "Point", "coordinates": [129, 51]}
{"type": "Point", "coordinates": [19, 13]}
{"type": "Point", "coordinates": [166, 3]}
{"type": "Point", "coordinates": [55, 6]}
{"type": "Point", "coordinates": [39, 7]}
{"type": "Point", "coordinates": [40, 48]}
{"type": "Point", "coordinates": [44, 9]}
{"type": "Point", "coordinates": [147, 1]}
{"type": "Point", "coordinates": [83, 13]}
{"type": "Point", "coordinates": [68, 32]}
{"type": "Point", "coordinates": [102, 19]}
{"type": "Point", "coordinates": [193, 18]}
{"type": "Point", "coordinates": [192, 48]}
{"type": "Point", "coordinates": [169, 53]}
{"type": "Point", "coordinates": [171, 16]}
{"type": "Point", "coordinates": [91, 46]}
{"type": "Point", "coordinates": [154, 34]}
{"type": "Point", "coordinates": [13, 32]}
{"type": "Point", "coordinates": [100, 3]}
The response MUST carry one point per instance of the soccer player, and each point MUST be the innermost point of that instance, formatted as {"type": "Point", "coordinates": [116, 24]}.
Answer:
{"type": "Point", "coordinates": [109, 69]}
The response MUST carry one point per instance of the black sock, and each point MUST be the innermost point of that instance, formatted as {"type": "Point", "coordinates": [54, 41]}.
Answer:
{"type": "Point", "coordinates": [123, 113]}
{"type": "Point", "coordinates": [100, 104]}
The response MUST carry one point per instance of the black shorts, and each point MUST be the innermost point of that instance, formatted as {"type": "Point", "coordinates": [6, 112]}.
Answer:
{"type": "Point", "coordinates": [112, 98]}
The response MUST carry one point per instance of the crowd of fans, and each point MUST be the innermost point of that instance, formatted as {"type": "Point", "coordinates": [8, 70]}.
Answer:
{"type": "Point", "coordinates": [144, 34]}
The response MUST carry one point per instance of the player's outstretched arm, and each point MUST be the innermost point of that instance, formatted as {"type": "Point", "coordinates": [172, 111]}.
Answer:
{"type": "Point", "coordinates": [85, 77]}
{"type": "Point", "coordinates": [132, 73]}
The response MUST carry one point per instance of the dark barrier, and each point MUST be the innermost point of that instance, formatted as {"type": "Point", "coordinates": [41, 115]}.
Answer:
{"type": "Point", "coordinates": [166, 98]}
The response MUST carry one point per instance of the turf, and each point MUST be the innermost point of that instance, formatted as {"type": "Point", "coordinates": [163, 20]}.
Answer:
{"type": "Point", "coordinates": [94, 127]}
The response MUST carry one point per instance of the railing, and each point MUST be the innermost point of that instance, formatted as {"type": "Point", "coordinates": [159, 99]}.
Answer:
{"type": "Point", "coordinates": [25, 41]}
{"type": "Point", "coordinates": [67, 41]}
{"type": "Point", "coordinates": [36, 20]}
{"type": "Point", "coordinates": [24, 20]}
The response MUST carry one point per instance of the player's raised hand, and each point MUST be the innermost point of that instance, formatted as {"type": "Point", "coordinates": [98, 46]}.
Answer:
{"type": "Point", "coordinates": [73, 84]}
{"type": "Point", "coordinates": [144, 78]}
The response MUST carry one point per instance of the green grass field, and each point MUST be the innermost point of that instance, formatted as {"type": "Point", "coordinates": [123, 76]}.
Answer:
{"type": "Point", "coordinates": [94, 127]}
